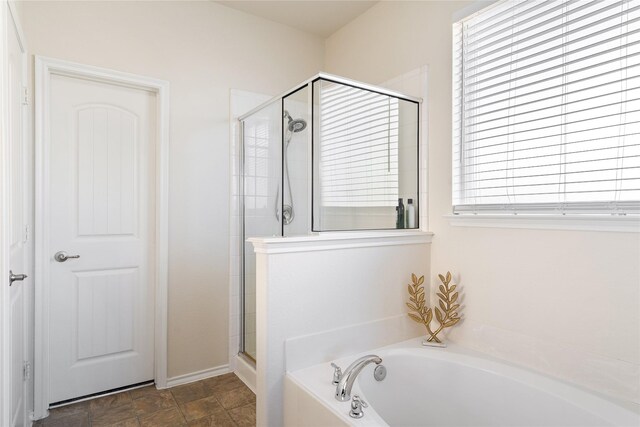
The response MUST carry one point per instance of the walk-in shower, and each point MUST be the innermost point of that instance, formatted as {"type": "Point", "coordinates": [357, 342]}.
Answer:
{"type": "Point", "coordinates": [329, 155]}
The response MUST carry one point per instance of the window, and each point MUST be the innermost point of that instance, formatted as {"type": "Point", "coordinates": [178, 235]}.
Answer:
{"type": "Point", "coordinates": [546, 108]}
{"type": "Point", "coordinates": [359, 152]}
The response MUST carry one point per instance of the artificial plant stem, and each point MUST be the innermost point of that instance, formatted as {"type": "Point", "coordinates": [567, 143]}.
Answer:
{"type": "Point", "coordinates": [433, 334]}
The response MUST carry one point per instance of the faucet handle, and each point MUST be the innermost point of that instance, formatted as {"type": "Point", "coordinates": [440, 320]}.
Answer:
{"type": "Point", "coordinates": [337, 374]}
{"type": "Point", "coordinates": [356, 407]}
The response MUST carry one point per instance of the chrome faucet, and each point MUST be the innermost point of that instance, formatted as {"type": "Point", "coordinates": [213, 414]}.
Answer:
{"type": "Point", "coordinates": [343, 389]}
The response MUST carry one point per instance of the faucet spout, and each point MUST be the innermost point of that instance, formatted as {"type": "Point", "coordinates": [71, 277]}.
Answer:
{"type": "Point", "coordinates": [343, 389]}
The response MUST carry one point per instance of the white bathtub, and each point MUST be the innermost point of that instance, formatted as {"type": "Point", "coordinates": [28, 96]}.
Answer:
{"type": "Point", "coordinates": [428, 386]}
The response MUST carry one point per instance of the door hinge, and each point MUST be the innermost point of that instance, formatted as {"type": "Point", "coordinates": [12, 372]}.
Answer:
{"type": "Point", "coordinates": [26, 234]}
{"type": "Point", "coordinates": [26, 370]}
{"type": "Point", "coordinates": [25, 95]}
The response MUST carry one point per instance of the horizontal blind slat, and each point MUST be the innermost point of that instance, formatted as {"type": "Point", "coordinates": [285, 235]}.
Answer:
{"type": "Point", "coordinates": [555, 67]}
{"type": "Point", "coordinates": [559, 5]}
{"type": "Point", "coordinates": [503, 9]}
{"type": "Point", "coordinates": [554, 164]}
{"type": "Point", "coordinates": [538, 119]}
{"type": "Point", "coordinates": [561, 144]}
{"type": "Point", "coordinates": [564, 94]}
{"type": "Point", "coordinates": [555, 174]}
{"type": "Point", "coordinates": [554, 126]}
{"type": "Point", "coordinates": [548, 40]}
{"type": "Point", "coordinates": [565, 75]}
{"type": "Point", "coordinates": [565, 34]}
{"type": "Point", "coordinates": [560, 56]}
{"type": "Point", "coordinates": [541, 156]}
{"type": "Point", "coordinates": [547, 136]}
{"type": "Point", "coordinates": [559, 207]}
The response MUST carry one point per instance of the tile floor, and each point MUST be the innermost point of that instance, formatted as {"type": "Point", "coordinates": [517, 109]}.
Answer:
{"type": "Point", "coordinates": [218, 401]}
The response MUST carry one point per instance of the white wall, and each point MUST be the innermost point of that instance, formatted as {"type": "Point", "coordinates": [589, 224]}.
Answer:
{"type": "Point", "coordinates": [563, 302]}
{"type": "Point", "coordinates": [203, 49]}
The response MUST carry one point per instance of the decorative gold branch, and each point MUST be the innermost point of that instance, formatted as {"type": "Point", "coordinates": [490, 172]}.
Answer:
{"type": "Point", "coordinates": [417, 304]}
{"type": "Point", "coordinates": [446, 314]}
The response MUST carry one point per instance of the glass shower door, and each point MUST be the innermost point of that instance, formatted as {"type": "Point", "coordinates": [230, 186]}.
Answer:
{"type": "Point", "coordinates": [296, 141]}
{"type": "Point", "coordinates": [262, 162]}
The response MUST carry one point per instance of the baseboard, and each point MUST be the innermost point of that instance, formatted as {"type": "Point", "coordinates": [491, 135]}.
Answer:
{"type": "Point", "coordinates": [246, 372]}
{"type": "Point", "coordinates": [197, 376]}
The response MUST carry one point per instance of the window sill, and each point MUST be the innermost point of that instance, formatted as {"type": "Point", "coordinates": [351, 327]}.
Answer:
{"type": "Point", "coordinates": [629, 224]}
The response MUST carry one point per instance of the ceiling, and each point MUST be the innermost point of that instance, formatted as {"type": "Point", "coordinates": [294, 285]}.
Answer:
{"type": "Point", "coordinates": [321, 18]}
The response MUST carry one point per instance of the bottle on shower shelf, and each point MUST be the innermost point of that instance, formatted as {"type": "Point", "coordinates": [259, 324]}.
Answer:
{"type": "Point", "coordinates": [410, 213]}
{"type": "Point", "coordinates": [400, 214]}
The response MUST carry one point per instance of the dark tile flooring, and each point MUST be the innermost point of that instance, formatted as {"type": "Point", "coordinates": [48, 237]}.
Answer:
{"type": "Point", "coordinates": [218, 401]}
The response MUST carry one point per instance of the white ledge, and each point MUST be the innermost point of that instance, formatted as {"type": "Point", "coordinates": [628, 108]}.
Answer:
{"type": "Point", "coordinates": [332, 241]}
{"type": "Point", "coordinates": [629, 224]}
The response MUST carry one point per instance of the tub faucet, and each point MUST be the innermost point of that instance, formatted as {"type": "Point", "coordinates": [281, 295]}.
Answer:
{"type": "Point", "coordinates": [356, 407]}
{"type": "Point", "coordinates": [343, 389]}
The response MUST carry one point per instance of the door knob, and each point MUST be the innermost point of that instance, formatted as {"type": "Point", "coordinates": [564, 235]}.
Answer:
{"type": "Point", "coordinates": [15, 277]}
{"type": "Point", "coordinates": [62, 256]}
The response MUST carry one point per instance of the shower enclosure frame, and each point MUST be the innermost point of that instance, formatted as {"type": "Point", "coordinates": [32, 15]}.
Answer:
{"type": "Point", "coordinates": [373, 89]}
{"type": "Point", "coordinates": [309, 83]}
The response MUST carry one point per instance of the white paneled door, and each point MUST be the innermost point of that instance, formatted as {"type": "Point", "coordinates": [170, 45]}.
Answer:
{"type": "Point", "coordinates": [18, 194]}
{"type": "Point", "coordinates": [101, 196]}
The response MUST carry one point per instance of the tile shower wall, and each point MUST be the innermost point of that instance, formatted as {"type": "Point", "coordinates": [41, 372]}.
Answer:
{"type": "Point", "coordinates": [298, 159]}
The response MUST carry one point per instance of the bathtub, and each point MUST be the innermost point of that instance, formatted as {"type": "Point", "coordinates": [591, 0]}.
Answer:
{"type": "Point", "coordinates": [453, 386]}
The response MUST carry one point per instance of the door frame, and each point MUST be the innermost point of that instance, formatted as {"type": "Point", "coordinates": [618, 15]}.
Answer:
{"type": "Point", "coordinates": [44, 68]}
{"type": "Point", "coordinates": [8, 11]}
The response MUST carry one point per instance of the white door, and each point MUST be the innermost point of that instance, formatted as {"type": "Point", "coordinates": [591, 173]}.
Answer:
{"type": "Point", "coordinates": [101, 197]}
{"type": "Point", "coordinates": [17, 224]}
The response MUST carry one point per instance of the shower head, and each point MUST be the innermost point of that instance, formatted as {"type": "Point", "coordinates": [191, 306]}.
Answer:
{"type": "Point", "coordinates": [297, 125]}
{"type": "Point", "coordinates": [294, 125]}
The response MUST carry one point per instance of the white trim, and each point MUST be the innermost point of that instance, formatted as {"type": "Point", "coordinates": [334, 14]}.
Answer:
{"type": "Point", "coordinates": [44, 68]}
{"type": "Point", "coordinates": [13, 12]}
{"type": "Point", "coordinates": [196, 376]}
{"type": "Point", "coordinates": [629, 224]}
{"type": "Point", "coordinates": [5, 345]}
{"type": "Point", "coordinates": [246, 372]}
{"type": "Point", "coordinates": [334, 241]}
{"type": "Point", "coordinates": [8, 14]}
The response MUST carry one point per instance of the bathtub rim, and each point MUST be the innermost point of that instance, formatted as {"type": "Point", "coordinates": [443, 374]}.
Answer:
{"type": "Point", "coordinates": [619, 412]}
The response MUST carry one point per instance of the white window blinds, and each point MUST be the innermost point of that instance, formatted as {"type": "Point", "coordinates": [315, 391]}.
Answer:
{"type": "Point", "coordinates": [546, 107]}
{"type": "Point", "coordinates": [358, 132]}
